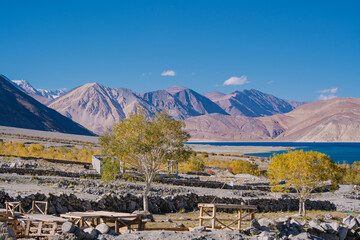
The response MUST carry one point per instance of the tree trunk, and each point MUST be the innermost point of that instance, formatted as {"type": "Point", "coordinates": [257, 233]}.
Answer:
{"type": "Point", "coordinates": [145, 198]}
{"type": "Point", "coordinates": [301, 205]}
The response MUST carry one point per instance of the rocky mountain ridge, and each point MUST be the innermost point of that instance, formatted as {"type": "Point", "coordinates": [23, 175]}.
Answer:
{"type": "Point", "coordinates": [17, 109]}
{"type": "Point", "coordinates": [98, 107]}
{"type": "Point", "coordinates": [42, 95]}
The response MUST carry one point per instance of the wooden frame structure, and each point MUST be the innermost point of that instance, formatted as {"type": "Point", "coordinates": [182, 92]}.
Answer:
{"type": "Point", "coordinates": [208, 212]}
{"type": "Point", "coordinates": [41, 225]}
{"type": "Point", "coordinates": [36, 206]}
{"type": "Point", "coordinates": [11, 208]}
{"type": "Point", "coordinates": [93, 218]}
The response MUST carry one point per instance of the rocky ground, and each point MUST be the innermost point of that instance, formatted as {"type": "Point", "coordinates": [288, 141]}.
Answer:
{"type": "Point", "coordinates": [177, 195]}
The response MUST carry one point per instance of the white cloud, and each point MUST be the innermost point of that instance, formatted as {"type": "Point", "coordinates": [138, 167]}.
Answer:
{"type": "Point", "coordinates": [168, 73]}
{"type": "Point", "coordinates": [326, 97]}
{"type": "Point", "coordinates": [236, 81]}
{"type": "Point", "coordinates": [330, 90]}
{"type": "Point", "coordinates": [270, 82]}
{"type": "Point", "coordinates": [327, 94]}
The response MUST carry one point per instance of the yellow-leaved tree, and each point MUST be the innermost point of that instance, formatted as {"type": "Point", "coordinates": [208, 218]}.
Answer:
{"type": "Point", "coordinates": [145, 144]}
{"type": "Point", "coordinates": [304, 172]}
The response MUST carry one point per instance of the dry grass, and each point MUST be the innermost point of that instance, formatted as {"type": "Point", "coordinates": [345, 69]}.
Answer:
{"type": "Point", "coordinates": [190, 219]}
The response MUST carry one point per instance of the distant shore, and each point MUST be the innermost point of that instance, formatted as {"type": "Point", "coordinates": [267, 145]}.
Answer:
{"type": "Point", "coordinates": [234, 149]}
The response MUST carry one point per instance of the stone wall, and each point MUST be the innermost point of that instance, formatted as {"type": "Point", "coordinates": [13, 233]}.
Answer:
{"type": "Point", "coordinates": [172, 203]}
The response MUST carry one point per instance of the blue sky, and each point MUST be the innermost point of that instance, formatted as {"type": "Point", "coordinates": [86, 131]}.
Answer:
{"type": "Point", "coordinates": [293, 49]}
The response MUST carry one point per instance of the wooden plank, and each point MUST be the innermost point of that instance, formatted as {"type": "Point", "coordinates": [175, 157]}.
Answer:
{"type": "Point", "coordinates": [39, 228]}
{"type": "Point", "coordinates": [222, 205]}
{"type": "Point", "coordinates": [214, 218]}
{"type": "Point", "coordinates": [44, 218]}
{"type": "Point", "coordinates": [201, 216]}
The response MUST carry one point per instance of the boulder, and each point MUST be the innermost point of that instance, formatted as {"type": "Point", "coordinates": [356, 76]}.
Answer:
{"type": "Point", "coordinates": [80, 234]}
{"type": "Point", "coordinates": [266, 222]}
{"type": "Point", "coordinates": [303, 236]}
{"type": "Point", "coordinates": [103, 228]}
{"type": "Point", "coordinates": [255, 224]}
{"type": "Point", "coordinates": [68, 227]}
{"type": "Point", "coordinates": [314, 225]}
{"type": "Point", "coordinates": [358, 219]}
{"type": "Point", "coordinates": [350, 222]}
{"type": "Point", "coordinates": [91, 233]}
{"type": "Point", "coordinates": [199, 229]}
{"type": "Point", "coordinates": [342, 232]}
{"type": "Point", "coordinates": [67, 236]}
{"type": "Point", "coordinates": [107, 237]}
{"type": "Point", "coordinates": [335, 226]}
{"type": "Point", "coordinates": [251, 231]}
{"type": "Point", "coordinates": [328, 228]}
{"type": "Point", "coordinates": [267, 236]}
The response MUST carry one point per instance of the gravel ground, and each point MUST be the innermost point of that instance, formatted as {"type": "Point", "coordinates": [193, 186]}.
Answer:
{"type": "Point", "coordinates": [92, 189]}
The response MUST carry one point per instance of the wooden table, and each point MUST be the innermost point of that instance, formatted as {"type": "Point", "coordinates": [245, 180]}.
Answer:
{"type": "Point", "coordinates": [92, 218]}
{"type": "Point", "coordinates": [41, 225]}
{"type": "Point", "coordinates": [209, 209]}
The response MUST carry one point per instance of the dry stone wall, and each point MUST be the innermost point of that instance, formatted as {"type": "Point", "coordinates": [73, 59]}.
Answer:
{"type": "Point", "coordinates": [171, 203]}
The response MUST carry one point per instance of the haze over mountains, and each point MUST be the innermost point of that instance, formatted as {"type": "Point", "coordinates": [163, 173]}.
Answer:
{"type": "Point", "coordinates": [247, 115]}
{"type": "Point", "coordinates": [17, 109]}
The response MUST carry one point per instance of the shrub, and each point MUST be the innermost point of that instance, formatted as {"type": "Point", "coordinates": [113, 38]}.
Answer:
{"type": "Point", "coordinates": [204, 155]}
{"type": "Point", "coordinates": [196, 164]}
{"type": "Point", "coordinates": [242, 166]}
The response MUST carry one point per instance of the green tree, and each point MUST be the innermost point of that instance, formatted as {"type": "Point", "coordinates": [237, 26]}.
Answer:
{"type": "Point", "coordinates": [145, 144]}
{"type": "Point", "coordinates": [304, 172]}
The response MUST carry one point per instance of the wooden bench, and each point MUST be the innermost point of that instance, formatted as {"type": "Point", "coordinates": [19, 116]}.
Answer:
{"type": "Point", "coordinates": [208, 212]}
{"type": "Point", "coordinates": [92, 218]}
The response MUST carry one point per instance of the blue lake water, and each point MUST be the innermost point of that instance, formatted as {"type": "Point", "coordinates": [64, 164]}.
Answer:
{"type": "Point", "coordinates": [338, 152]}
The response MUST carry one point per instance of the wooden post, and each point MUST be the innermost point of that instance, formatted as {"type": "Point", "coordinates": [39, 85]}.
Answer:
{"type": "Point", "coordinates": [140, 223]}
{"type": "Point", "coordinates": [33, 207]}
{"type": "Point", "coordinates": [55, 226]}
{"type": "Point", "coordinates": [116, 225]}
{"type": "Point", "coordinates": [7, 207]}
{"type": "Point", "coordinates": [239, 216]}
{"type": "Point", "coordinates": [20, 208]}
{"type": "Point", "coordinates": [81, 222]}
{"type": "Point", "coordinates": [213, 220]}
{"type": "Point", "coordinates": [27, 229]}
{"type": "Point", "coordinates": [39, 228]}
{"type": "Point", "coordinates": [201, 215]}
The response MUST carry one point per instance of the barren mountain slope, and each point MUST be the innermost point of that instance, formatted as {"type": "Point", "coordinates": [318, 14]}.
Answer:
{"type": "Point", "coordinates": [196, 103]}
{"type": "Point", "coordinates": [17, 109]}
{"type": "Point", "coordinates": [218, 127]}
{"type": "Point", "coordinates": [335, 120]}
{"type": "Point", "coordinates": [213, 96]}
{"type": "Point", "coordinates": [252, 103]}
{"type": "Point", "coordinates": [164, 101]}
{"type": "Point", "coordinates": [98, 107]}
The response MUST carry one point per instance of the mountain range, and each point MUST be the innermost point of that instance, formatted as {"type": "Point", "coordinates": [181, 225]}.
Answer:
{"type": "Point", "coordinates": [98, 107]}
{"type": "Point", "coordinates": [248, 115]}
{"type": "Point", "coordinates": [42, 95]}
{"type": "Point", "coordinates": [334, 120]}
{"type": "Point", "coordinates": [18, 109]}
